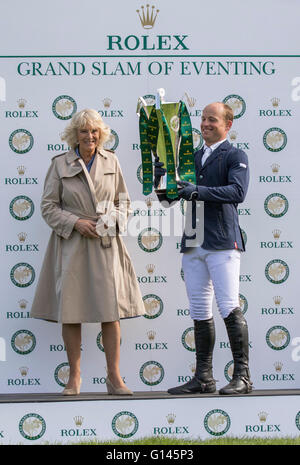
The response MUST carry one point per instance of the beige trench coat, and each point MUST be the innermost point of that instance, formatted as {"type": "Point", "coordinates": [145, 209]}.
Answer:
{"type": "Point", "coordinates": [80, 281]}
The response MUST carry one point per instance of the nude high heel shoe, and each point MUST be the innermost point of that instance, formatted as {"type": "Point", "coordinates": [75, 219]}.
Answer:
{"type": "Point", "coordinates": [112, 390]}
{"type": "Point", "coordinates": [72, 391]}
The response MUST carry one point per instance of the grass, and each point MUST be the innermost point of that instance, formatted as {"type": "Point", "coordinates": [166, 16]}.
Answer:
{"type": "Point", "coordinates": [228, 440]}
{"type": "Point", "coordinates": [172, 441]}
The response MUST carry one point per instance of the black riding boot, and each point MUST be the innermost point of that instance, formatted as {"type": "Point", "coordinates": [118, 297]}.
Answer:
{"type": "Point", "coordinates": [237, 331]}
{"type": "Point", "coordinates": [203, 379]}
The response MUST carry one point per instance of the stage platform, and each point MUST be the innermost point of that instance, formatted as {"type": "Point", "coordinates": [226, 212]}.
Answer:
{"type": "Point", "coordinates": [56, 419]}
{"type": "Point", "coordinates": [142, 395]}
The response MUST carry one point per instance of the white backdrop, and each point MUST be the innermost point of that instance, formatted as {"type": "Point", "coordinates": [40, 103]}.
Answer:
{"type": "Point", "coordinates": [67, 55]}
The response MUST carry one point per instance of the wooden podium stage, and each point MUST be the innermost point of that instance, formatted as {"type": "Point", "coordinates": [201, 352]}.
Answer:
{"type": "Point", "coordinates": [56, 419]}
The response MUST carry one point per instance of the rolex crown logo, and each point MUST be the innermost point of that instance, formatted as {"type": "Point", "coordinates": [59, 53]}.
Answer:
{"type": "Point", "coordinates": [78, 420]}
{"type": "Point", "coordinates": [171, 418]}
{"type": "Point", "coordinates": [276, 233]}
{"type": "Point", "coordinates": [278, 366]}
{"type": "Point", "coordinates": [151, 335]}
{"type": "Point", "coordinates": [275, 167]}
{"type": "Point", "coordinates": [275, 101]}
{"type": "Point", "coordinates": [191, 101]}
{"type": "Point", "coordinates": [21, 103]}
{"type": "Point", "coordinates": [150, 268]}
{"type": "Point", "coordinates": [262, 416]}
{"type": "Point", "coordinates": [193, 367]}
{"type": "Point", "coordinates": [22, 236]}
{"type": "Point", "coordinates": [107, 102]}
{"type": "Point", "coordinates": [277, 299]}
{"type": "Point", "coordinates": [233, 135]}
{"type": "Point", "coordinates": [21, 170]}
{"type": "Point", "coordinates": [22, 303]}
{"type": "Point", "coordinates": [147, 16]}
{"type": "Point", "coordinates": [149, 202]}
{"type": "Point", "coordinates": [23, 371]}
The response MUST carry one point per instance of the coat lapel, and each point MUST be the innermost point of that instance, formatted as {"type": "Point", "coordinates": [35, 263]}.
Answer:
{"type": "Point", "coordinates": [198, 161]}
{"type": "Point", "coordinates": [102, 165]}
{"type": "Point", "coordinates": [73, 166]}
{"type": "Point", "coordinates": [223, 147]}
{"type": "Point", "coordinates": [98, 167]}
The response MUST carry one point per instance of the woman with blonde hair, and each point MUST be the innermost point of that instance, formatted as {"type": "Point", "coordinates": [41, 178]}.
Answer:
{"type": "Point", "coordinates": [87, 275]}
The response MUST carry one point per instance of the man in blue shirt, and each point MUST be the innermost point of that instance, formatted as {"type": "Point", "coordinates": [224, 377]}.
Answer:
{"type": "Point", "coordinates": [211, 248]}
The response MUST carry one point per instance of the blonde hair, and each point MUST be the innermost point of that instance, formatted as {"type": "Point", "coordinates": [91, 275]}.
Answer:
{"type": "Point", "coordinates": [228, 112]}
{"type": "Point", "coordinates": [80, 120]}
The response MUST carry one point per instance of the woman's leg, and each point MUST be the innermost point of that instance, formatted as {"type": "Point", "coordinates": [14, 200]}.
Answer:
{"type": "Point", "coordinates": [71, 334]}
{"type": "Point", "coordinates": [111, 337]}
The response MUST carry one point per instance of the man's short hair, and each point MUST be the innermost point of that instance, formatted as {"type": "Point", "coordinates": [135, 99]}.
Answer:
{"type": "Point", "coordinates": [228, 112]}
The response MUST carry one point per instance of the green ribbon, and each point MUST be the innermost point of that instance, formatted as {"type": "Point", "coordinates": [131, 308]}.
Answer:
{"type": "Point", "coordinates": [153, 131]}
{"type": "Point", "coordinates": [172, 192]}
{"type": "Point", "coordinates": [186, 151]}
{"type": "Point", "coordinates": [156, 137]}
{"type": "Point", "coordinates": [146, 153]}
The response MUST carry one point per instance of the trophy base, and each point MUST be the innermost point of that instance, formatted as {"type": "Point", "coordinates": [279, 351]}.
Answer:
{"type": "Point", "coordinates": [163, 191]}
{"type": "Point", "coordinates": [160, 191]}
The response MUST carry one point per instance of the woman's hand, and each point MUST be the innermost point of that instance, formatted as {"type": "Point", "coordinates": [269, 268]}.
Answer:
{"type": "Point", "coordinates": [86, 228]}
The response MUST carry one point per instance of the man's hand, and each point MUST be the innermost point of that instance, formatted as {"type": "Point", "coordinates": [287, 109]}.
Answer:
{"type": "Point", "coordinates": [188, 192]}
{"type": "Point", "coordinates": [86, 228]}
{"type": "Point", "coordinates": [159, 171]}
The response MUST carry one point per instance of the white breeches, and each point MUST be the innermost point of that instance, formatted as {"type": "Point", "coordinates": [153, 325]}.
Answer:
{"type": "Point", "coordinates": [208, 273]}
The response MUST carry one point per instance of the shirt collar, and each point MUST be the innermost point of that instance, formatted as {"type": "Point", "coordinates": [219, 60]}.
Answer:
{"type": "Point", "coordinates": [89, 165]}
{"type": "Point", "coordinates": [214, 146]}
